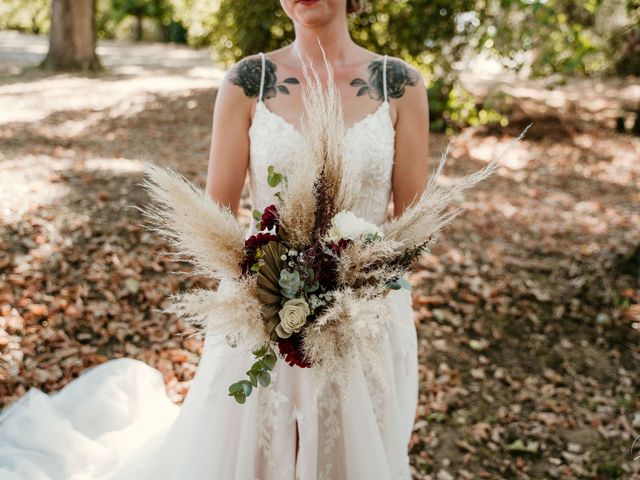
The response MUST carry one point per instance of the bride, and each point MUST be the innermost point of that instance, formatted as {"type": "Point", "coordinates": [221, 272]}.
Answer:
{"type": "Point", "coordinates": [115, 422]}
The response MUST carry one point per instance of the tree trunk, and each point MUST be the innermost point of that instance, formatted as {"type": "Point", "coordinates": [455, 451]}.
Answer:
{"type": "Point", "coordinates": [139, 27]}
{"type": "Point", "coordinates": [72, 40]}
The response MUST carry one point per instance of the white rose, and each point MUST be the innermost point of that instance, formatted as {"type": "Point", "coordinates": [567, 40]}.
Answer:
{"type": "Point", "coordinates": [293, 315]}
{"type": "Point", "coordinates": [348, 225]}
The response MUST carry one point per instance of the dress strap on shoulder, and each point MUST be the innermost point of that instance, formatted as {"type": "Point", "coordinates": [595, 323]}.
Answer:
{"type": "Point", "coordinates": [384, 77]}
{"type": "Point", "coordinates": [261, 77]}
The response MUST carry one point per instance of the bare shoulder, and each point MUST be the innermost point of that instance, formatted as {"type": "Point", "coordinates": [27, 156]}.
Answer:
{"type": "Point", "coordinates": [400, 78]}
{"type": "Point", "coordinates": [247, 74]}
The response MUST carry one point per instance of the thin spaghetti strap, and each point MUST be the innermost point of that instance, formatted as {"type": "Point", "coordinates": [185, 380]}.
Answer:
{"type": "Point", "coordinates": [261, 78]}
{"type": "Point", "coordinates": [384, 78]}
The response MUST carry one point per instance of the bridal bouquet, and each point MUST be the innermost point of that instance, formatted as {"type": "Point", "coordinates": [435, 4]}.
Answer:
{"type": "Point", "coordinates": [309, 287]}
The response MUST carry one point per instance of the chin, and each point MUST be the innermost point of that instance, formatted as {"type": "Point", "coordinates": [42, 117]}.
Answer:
{"type": "Point", "coordinates": [319, 12]}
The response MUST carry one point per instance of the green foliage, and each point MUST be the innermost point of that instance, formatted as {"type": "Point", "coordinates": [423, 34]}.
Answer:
{"type": "Point", "coordinates": [273, 178]}
{"type": "Point", "coordinates": [399, 283]}
{"type": "Point", "coordinates": [159, 9]}
{"type": "Point", "coordinates": [33, 16]}
{"type": "Point", "coordinates": [198, 17]}
{"type": "Point", "coordinates": [565, 36]}
{"type": "Point", "coordinates": [264, 27]}
{"type": "Point", "coordinates": [460, 109]}
{"type": "Point", "coordinates": [259, 373]}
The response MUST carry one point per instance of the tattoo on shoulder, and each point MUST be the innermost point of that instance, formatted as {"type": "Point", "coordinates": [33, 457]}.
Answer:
{"type": "Point", "coordinates": [399, 76]}
{"type": "Point", "coordinates": [247, 74]}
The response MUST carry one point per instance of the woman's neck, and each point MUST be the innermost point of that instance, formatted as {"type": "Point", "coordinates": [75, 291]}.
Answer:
{"type": "Point", "coordinates": [334, 39]}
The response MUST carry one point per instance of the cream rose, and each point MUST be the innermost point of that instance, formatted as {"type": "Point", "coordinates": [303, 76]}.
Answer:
{"type": "Point", "coordinates": [293, 315]}
{"type": "Point", "coordinates": [348, 225]}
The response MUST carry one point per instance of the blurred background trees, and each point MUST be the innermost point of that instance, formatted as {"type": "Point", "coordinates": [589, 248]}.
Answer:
{"type": "Point", "coordinates": [535, 37]}
{"type": "Point", "coordinates": [158, 10]}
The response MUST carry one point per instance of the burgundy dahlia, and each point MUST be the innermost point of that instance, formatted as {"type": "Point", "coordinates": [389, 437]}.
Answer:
{"type": "Point", "coordinates": [340, 245]}
{"type": "Point", "coordinates": [291, 349]}
{"type": "Point", "coordinates": [252, 244]}
{"type": "Point", "coordinates": [269, 218]}
{"type": "Point", "coordinates": [325, 263]}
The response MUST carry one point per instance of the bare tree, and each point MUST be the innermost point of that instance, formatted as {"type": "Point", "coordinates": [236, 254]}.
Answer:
{"type": "Point", "coordinates": [72, 39]}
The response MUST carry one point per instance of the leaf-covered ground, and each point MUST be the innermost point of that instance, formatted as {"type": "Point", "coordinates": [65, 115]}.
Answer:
{"type": "Point", "coordinates": [528, 308]}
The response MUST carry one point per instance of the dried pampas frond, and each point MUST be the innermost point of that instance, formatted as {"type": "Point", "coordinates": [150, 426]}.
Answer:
{"type": "Point", "coordinates": [233, 311]}
{"type": "Point", "coordinates": [322, 183]}
{"type": "Point", "coordinates": [427, 216]}
{"type": "Point", "coordinates": [323, 120]}
{"type": "Point", "coordinates": [324, 132]}
{"type": "Point", "coordinates": [296, 212]}
{"type": "Point", "coordinates": [299, 206]}
{"type": "Point", "coordinates": [348, 333]}
{"type": "Point", "coordinates": [364, 260]}
{"type": "Point", "coordinates": [205, 233]}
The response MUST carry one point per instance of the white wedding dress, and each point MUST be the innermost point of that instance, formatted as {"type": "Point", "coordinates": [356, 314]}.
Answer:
{"type": "Point", "coordinates": [115, 421]}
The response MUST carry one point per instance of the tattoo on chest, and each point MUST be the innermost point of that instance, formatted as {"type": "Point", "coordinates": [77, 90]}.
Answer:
{"type": "Point", "coordinates": [399, 76]}
{"type": "Point", "coordinates": [247, 74]}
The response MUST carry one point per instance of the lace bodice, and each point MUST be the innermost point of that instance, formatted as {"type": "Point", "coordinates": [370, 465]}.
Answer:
{"type": "Point", "coordinates": [369, 144]}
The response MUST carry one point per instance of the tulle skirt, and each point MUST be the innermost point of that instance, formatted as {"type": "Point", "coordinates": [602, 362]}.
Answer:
{"type": "Point", "coordinates": [115, 421]}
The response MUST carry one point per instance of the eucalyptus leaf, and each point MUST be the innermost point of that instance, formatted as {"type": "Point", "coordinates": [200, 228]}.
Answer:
{"type": "Point", "coordinates": [258, 374]}
{"type": "Point", "coordinates": [257, 367]}
{"type": "Point", "coordinates": [290, 282]}
{"type": "Point", "coordinates": [394, 285]}
{"type": "Point", "coordinates": [246, 387]}
{"type": "Point", "coordinates": [235, 388]}
{"type": "Point", "coordinates": [312, 288]}
{"type": "Point", "coordinates": [288, 293]}
{"type": "Point", "coordinates": [240, 398]}
{"type": "Point", "coordinates": [262, 351]}
{"type": "Point", "coordinates": [274, 180]}
{"type": "Point", "coordinates": [269, 361]}
{"type": "Point", "coordinates": [264, 378]}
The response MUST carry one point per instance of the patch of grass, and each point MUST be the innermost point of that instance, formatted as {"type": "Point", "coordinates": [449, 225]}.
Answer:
{"type": "Point", "coordinates": [437, 417]}
{"type": "Point", "coordinates": [609, 470]}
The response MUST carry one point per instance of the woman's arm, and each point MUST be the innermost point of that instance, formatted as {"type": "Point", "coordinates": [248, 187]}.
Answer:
{"type": "Point", "coordinates": [229, 154]}
{"type": "Point", "coordinates": [411, 162]}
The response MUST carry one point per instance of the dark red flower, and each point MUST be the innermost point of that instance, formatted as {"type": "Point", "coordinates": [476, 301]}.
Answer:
{"type": "Point", "coordinates": [291, 349]}
{"type": "Point", "coordinates": [269, 218]}
{"type": "Point", "coordinates": [340, 245]}
{"type": "Point", "coordinates": [325, 262]}
{"type": "Point", "coordinates": [252, 244]}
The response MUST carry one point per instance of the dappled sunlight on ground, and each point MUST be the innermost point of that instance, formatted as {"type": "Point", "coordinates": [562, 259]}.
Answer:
{"type": "Point", "coordinates": [133, 73]}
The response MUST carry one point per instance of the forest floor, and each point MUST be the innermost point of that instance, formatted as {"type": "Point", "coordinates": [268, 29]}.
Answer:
{"type": "Point", "coordinates": [527, 308]}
